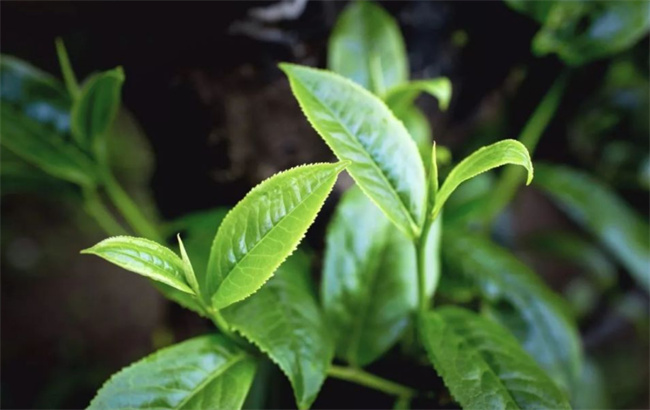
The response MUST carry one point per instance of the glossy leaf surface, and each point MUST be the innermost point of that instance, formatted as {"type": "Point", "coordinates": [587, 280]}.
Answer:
{"type": "Point", "coordinates": [403, 96]}
{"type": "Point", "coordinates": [483, 365]}
{"type": "Point", "coordinates": [93, 112]}
{"type": "Point", "coordinates": [360, 128]}
{"type": "Point", "coordinates": [206, 372]}
{"type": "Point", "coordinates": [482, 160]}
{"type": "Point", "coordinates": [521, 301]}
{"type": "Point", "coordinates": [601, 212]}
{"type": "Point", "coordinates": [285, 322]}
{"type": "Point", "coordinates": [369, 280]}
{"type": "Point", "coordinates": [143, 257]}
{"type": "Point", "coordinates": [367, 47]}
{"type": "Point", "coordinates": [264, 228]}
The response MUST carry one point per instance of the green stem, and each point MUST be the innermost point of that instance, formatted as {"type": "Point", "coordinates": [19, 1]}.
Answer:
{"type": "Point", "coordinates": [129, 209]}
{"type": "Point", "coordinates": [420, 256]}
{"type": "Point", "coordinates": [96, 209]}
{"type": "Point", "coordinates": [512, 177]}
{"type": "Point", "coordinates": [358, 376]}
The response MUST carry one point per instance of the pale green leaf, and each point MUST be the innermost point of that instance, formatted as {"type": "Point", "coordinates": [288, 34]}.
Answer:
{"type": "Point", "coordinates": [601, 212]}
{"type": "Point", "coordinates": [482, 160]}
{"type": "Point", "coordinates": [402, 96]}
{"type": "Point", "coordinates": [263, 229]}
{"type": "Point", "coordinates": [207, 372]}
{"type": "Point", "coordinates": [143, 257]}
{"type": "Point", "coordinates": [188, 270]}
{"type": "Point", "coordinates": [360, 128]}
{"type": "Point", "coordinates": [520, 300]}
{"type": "Point", "coordinates": [483, 365]}
{"type": "Point", "coordinates": [367, 47]}
{"type": "Point", "coordinates": [369, 284]}
{"type": "Point", "coordinates": [95, 108]}
{"type": "Point", "coordinates": [285, 322]}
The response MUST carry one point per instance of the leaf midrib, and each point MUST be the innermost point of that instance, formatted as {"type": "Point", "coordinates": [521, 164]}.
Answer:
{"type": "Point", "coordinates": [373, 164]}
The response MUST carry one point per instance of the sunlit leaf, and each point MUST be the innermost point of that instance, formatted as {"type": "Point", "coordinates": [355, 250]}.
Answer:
{"type": "Point", "coordinates": [360, 128]}
{"type": "Point", "coordinates": [285, 322]}
{"type": "Point", "coordinates": [263, 229]}
{"type": "Point", "coordinates": [483, 365]}
{"type": "Point", "coordinates": [206, 372]}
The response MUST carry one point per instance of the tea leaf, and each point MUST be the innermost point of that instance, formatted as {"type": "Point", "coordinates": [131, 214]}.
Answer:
{"type": "Point", "coordinates": [419, 129]}
{"type": "Point", "coordinates": [69, 78]}
{"type": "Point", "coordinates": [264, 228]}
{"type": "Point", "coordinates": [188, 270]}
{"type": "Point", "coordinates": [521, 301]}
{"type": "Point", "coordinates": [367, 47]}
{"type": "Point", "coordinates": [402, 96]}
{"type": "Point", "coordinates": [482, 160]}
{"type": "Point", "coordinates": [143, 257]}
{"type": "Point", "coordinates": [369, 280]}
{"type": "Point", "coordinates": [483, 365]}
{"type": "Point", "coordinates": [93, 112]}
{"type": "Point", "coordinates": [285, 322]}
{"type": "Point", "coordinates": [601, 212]}
{"type": "Point", "coordinates": [207, 372]}
{"type": "Point", "coordinates": [360, 128]}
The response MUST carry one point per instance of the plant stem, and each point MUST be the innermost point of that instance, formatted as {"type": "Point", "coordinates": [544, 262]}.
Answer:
{"type": "Point", "coordinates": [96, 209]}
{"type": "Point", "coordinates": [512, 177]}
{"type": "Point", "coordinates": [356, 375]}
{"type": "Point", "coordinates": [129, 209]}
{"type": "Point", "coordinates": [420, 257]}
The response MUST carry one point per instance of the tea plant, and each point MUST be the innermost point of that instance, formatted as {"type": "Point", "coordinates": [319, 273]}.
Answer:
{"type": "Point", "coordinates": [383, 281]}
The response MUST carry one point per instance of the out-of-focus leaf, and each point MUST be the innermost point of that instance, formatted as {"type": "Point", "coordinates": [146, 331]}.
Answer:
{"type": "Point", "coordinates": [369, 280]}
{"type": "Point", "coordinates": [419, 129]}
{"type": "Point", "coordinates": [144, 257]}
{"type": "Point", "coordinates": [69, 77]}
{"type": "Point", "coordinates": [482, 160]}
{"type": "Point", "coordinates": [483, 365]}
{"type": "Point", "coordinates": [285, 322]}
{"type": "Point", "coordinates": [263, 229]}
{"type": "Point", "coordinates": [360, 128]}
{"type": "Point", "coordinates": [520, 301]}
{"type": "Point", "coordinates": [206, 372]}
{"type": "Point", "coordinates": [42, 147]}
{"type": "Point", "coordinates": [467, 203]}
{"type": "Point", "coordinates": [591, 389]}
{"type": "Point", "coordinates": [403, 95]}
{"type": "Point", "coordinates": [366, 46]}
{"type": "Point", "coordinates": [35, 93]}
{"type": "Point", "coordinates": [582, 31]}
{"type": "Point", "coordinates": [17, 177]}
{"type": "Point", "coordinates": [599, 210]}
{"type": "Point", "coordinates": [93, 112]}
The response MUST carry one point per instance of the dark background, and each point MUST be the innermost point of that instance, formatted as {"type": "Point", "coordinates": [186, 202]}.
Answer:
{"type": "Point", "coordinates": [219, 117]}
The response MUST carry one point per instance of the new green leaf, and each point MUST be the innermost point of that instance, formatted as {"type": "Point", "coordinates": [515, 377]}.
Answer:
{"type": "Point", "coordinates": [264, 228]}
{"type": "Point", "coordinates": [369, 280]}
{"type": "Point", "coordinates": [366, 46]}
{"type": "Point", "coordinates": [143, 257]}
{"type": "Point", "coordinates": [482, 160]}
{"type": "Point", "coordinates": [601, 212]}
{"type": "Point", "coordinates": [285, 322]}
{"type": "Point", "coordinates": [402, 96]}
{"type": "Point", "coordinates": [483, 365]}
{"type": "Point", "coordinates": [207, 372]}
{"type": "Point", "coordinates": [359, 127]}
{"type": "Point", "coordinates": [94, 110]}
{"type": "Point", "coordinates": [520, 300]}
{"type": "Point", "coordinates": [188, 270]}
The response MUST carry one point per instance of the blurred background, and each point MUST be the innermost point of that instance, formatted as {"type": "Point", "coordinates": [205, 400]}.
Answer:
{"type": "Point", "coordinates": [207, 114]}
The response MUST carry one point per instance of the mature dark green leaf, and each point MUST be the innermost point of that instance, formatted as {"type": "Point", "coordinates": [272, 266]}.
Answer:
{"type": "Point", "coordinates": [285, 322]}
{"type": "Point", "coordinates": [360, 128]}
{"type": "Point", "coordinates": [42, 147]}
{"type": "Point", "coordinates": [206, 372]}
{"type": "Point", "coordinates": [583, 31]}
{"type": "Point", "coordinates": [34, 93]}
{"type": "Point", "coordinates": [366, 46]}
{"type": "Point", "coordinates": [143, 257]}
{"type": "Point", "coordinates": [263, 229]}
{"type": "Point", "coordinates": [520, 300]}
{"type": "Point", "coordinates": [482, 160]}
{"type": "Point", "coordinates": [93, 112]}
{"type": "Point", "coordinates": [483, 365]}
{"type": "Point", "coordinates": [369, 283]}
{"type": "Point", "coordinates": [599, 210]}
{"type": "Point", "coordinates": [402, 96]}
